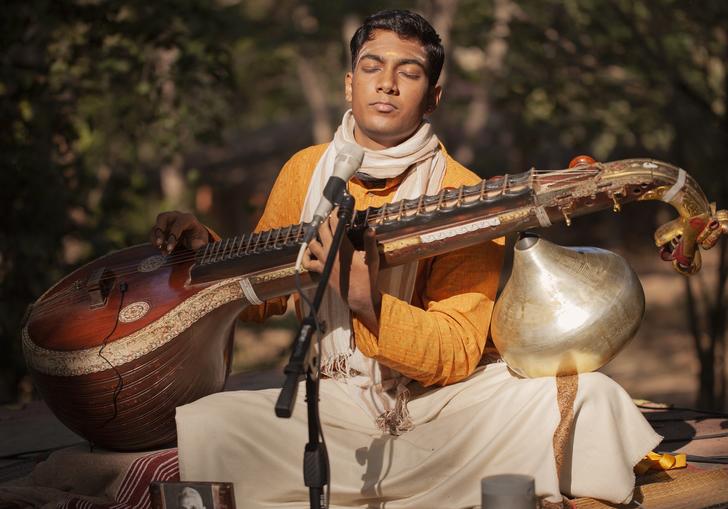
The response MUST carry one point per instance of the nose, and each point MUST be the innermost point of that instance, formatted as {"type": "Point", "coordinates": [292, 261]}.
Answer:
{"type": "Point", "coordinates": [387, 82]}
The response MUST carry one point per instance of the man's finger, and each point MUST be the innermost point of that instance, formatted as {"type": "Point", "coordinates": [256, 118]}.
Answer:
{"type": "Point", "coordinates": [195, 241]}
{"type": "Point", "coordinates": [324, 232]}
{"type": "Point", "coordinates": [184, 229]}
{"type": "Point", "coordinates": [334, 220]}
{"type": "Point", "coordinates": [159, 231]}
{"type": "Point", "coordinates": [317, 250]}
{"type": "Point", "coordinates": [156, 236]}
{"type": "Point", "coordinates": [311, 264]}
{"type": "Point", "coordinates": [370, 247]}
{"type": "Point", "coordinates": [306, 260]}
{"type": "Point", "coordinates": [176, 230]}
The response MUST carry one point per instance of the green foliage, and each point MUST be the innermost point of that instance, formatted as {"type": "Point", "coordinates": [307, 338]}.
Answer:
{"type": "Point", "coordinates": [97, 96]}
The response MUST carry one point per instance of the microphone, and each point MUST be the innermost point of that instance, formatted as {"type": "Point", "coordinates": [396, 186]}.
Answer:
{"type": "Point", "coordinates": [347, 161]}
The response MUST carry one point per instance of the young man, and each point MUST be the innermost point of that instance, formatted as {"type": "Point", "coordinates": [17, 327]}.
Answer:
{"type": "Point", "coordinates": [409, 417]}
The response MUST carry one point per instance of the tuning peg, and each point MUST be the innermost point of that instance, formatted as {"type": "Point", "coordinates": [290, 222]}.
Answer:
{"type": "Point", "coordinates": [567, 219]}
{"type": "Point", "coordinates": [616, 206]}
{"type": "Point", "coordinates": [581, 160]}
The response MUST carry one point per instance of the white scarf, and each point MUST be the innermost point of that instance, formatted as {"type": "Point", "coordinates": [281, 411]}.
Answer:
{"type": "Point", "coordinates": [379, 390]}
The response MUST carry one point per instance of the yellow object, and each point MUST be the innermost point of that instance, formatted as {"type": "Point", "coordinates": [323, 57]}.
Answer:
{"type": "Point", "coordinates": [657, 461]}
{"type": "Point", "coordinates": [438, 338]}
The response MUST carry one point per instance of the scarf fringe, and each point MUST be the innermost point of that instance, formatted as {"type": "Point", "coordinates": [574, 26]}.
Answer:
{"type": "Point", "coordinates": [338, 367]}
{"type": "Point", "coordinates": [422, 156]}
{"type": "Point", "coordinates": [397, 421]}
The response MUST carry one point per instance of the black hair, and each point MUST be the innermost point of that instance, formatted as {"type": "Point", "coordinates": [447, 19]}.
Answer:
{"type": "Point", "coordinates": [407, 25]}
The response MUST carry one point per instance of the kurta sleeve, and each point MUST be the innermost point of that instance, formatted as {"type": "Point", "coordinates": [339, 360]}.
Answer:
{"type": "Point", "coordinates": [439, 338]}
{"type": "Point", "coordinates": [283, 208]}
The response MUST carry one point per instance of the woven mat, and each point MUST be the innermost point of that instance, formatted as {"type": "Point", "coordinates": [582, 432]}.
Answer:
{"type": "Point", "coordinates": [673, 490]}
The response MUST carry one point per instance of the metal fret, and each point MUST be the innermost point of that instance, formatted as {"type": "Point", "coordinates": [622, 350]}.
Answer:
{"type": "Point", "coordinates": [420, 205]}
{"type": "Point", "coordinates": [440, 199]}
{"type": "Point", "coordinates": [232, 247]}
{"type": "Point", "coordinates": [247, 246]}
{"type": "Point", "coordinates": [286, 238]}
{"type": "Point", "coordinates": [382, 214]}
{"type": "Point", "coordinates": [259, 236]}
{"type": "Point", "coordinates": [242, 238]}
{"type": "Point", "coordinates": [215, 250]}
{"type": "Point", "coordinates": [267, 239]}
{"type": "Point", "coordinates": [204, 255]}
{"type": "Point", "coordinates": [224, 249]}
{"type": "Point", "coordinates": [257, 247]}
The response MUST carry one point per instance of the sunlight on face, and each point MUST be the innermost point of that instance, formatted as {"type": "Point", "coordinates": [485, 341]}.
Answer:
{"type": "Point", "coordinates": [389, 90]}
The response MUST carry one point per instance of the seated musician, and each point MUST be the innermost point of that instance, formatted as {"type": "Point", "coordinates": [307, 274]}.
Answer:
{"type": "Point", "coordinates": [409, 416]}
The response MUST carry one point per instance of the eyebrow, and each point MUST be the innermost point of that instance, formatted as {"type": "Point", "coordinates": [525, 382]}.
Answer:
{"type": "Point", "coordinates": [402, 61]}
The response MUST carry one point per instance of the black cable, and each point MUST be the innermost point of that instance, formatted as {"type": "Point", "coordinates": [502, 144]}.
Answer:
{"type": "Point", "coordinates": [309, 303]}
{"type": "Point", "coordinates": [697, 437]}
{"type": "Point", "coordinates": [123, 287]}
{"type": "Point", "coordinates": [708, 459]}
{"type": "Point", "coordinates": [690, 457]}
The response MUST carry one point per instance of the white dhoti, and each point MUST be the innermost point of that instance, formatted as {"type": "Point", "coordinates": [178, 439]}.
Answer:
{"type": "Point", "coordinates": [494, 422]}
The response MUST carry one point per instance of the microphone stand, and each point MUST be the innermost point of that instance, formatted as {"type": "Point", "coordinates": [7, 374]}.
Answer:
{"type": "Point", "coordinates": [315, 458]}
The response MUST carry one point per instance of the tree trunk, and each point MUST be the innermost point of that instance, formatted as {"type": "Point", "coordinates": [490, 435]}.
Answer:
{"type": "Point", "coordinates": [441, 14]}
{"type": "Point", "coordinates": [719, 322]}
{"type": "Point", "coordinates": [708, 330]}
{"type": "Point", "coordinates": [314, 90]}
{"type": "Point", "coordinates": [171, 174]}
{"type": "Point", "coordinates": [172, 181]}
{"type": "Point", "coordinates": [494, 57]}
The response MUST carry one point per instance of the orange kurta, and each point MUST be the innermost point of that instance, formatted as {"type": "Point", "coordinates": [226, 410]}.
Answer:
{"type": "Point", "coordinates": [439, 337]}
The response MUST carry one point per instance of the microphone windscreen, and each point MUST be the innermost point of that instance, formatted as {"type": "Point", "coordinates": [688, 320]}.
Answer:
{"type": "Point", "coordinates": [348, 160]}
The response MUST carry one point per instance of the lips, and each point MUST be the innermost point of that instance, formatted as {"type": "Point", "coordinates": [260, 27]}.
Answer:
{"type": "Point", "coordinates": [383, 107]}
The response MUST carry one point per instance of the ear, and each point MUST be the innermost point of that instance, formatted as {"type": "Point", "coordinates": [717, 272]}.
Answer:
{"type": "Point", "coordinates": [347, 86]}
{"type": "Point", "coordinates": [433, 99]}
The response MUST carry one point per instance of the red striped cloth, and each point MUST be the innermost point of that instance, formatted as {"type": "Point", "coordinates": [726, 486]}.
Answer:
{"type": "Point", "coordinates": [134, 488]}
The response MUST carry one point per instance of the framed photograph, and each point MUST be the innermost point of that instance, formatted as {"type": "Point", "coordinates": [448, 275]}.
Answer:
{"type": "Point", "coordinates": [192, 495]}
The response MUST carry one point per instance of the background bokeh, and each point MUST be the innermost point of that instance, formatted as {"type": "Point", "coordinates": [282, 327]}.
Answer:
{"type": "Point", "coordinates": [112, 111]}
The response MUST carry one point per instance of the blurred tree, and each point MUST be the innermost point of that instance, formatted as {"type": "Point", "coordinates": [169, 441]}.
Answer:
{"type": "Point", "coordinates": [97, 97]}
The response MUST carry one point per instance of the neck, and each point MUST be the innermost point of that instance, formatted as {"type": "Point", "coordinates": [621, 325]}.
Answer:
{"type": "Point", "coordinates": [378, 142]}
